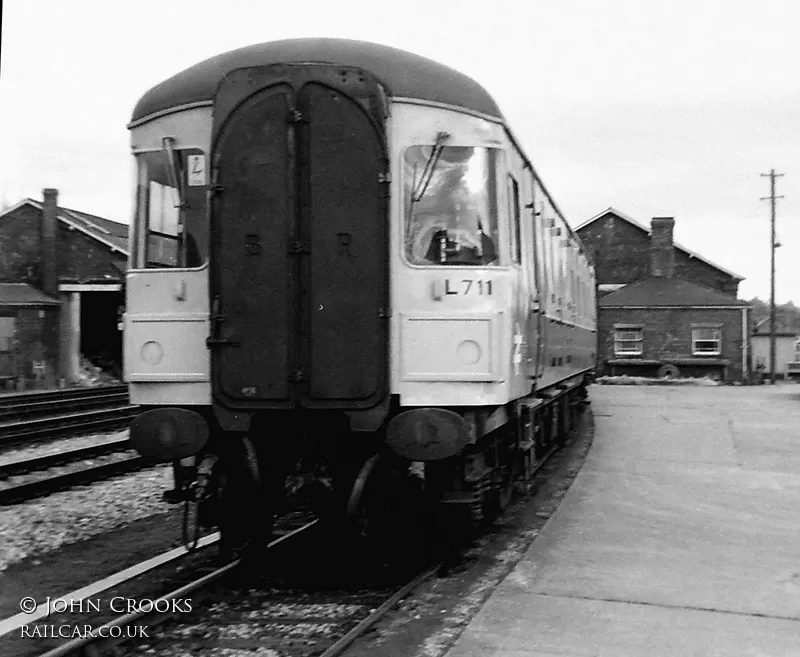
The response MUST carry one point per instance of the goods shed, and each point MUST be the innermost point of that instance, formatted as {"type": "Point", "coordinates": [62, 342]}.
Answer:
{"type": "Point", "coordinates": [65, 268]}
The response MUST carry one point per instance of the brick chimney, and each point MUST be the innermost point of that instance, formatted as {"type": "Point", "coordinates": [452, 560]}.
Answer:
{"type": "Point", "coordinates": [49, 238]}
{"type": "Point", "coordinates": [662, 251]}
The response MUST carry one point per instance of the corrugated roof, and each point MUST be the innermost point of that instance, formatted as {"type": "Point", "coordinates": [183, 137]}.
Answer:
{"type": "Point", "coordinates": [659, 291]}
{"type": "Point", "coordinates": [633, 222]}
{"type": "Point", "coordinates": [111, 233]}
{"type": "Point", "coordinates": [404, 74]}
{"type": "Point", "coordinates": [22, 294]}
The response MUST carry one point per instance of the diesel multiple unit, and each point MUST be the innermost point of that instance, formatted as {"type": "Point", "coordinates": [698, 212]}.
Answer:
{"type": "Point", "coordinates": [341, 257]}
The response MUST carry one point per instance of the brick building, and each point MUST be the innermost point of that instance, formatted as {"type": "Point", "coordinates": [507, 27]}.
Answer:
{"type": "Point", "coordinates": [29, 323]}
{"type": "Point", "coordinates": [663, 309]}
{"type": "Point", "coordinates": [61, 275]}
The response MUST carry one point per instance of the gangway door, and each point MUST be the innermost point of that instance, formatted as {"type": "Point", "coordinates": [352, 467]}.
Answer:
{"type": "Point", "coordinates": [345, 213]}
{"type": "Point", "coordinates": [251, 304]}
{"type": "Point", "coordinates": [299, 255]}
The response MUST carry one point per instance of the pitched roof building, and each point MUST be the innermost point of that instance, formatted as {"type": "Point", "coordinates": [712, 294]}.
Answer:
{"type": "Point", "coordinates": [621, 248]}
{"type": "Point", "coordinates": [662, 309]}
{"type": "Point", "coordinates": [667, 291]}
{"type": "Point", "coordinates": [61, 275]}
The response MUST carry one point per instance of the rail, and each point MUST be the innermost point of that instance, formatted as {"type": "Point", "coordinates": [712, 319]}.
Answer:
{"type": "Point", "coordinates": [84, 473]}
{"type": "Point", "coordinates": [22, 431]}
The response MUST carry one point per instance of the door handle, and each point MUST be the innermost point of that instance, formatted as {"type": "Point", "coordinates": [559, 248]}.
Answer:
{"type": "Point", "coordinates": [222, 342]}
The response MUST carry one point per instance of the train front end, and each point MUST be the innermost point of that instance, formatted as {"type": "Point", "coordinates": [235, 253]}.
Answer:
{"type": "Point", "coordinates": [333, 261]}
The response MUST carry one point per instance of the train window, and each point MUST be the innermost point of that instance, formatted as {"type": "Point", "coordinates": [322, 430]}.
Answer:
{"type": "Point", "coordinates": [171, 209]}
{"type": "Point", "coordinates": [516, 247]}
{"type": "Point", "coordinates": [450, 197]}
{"type": "Point", "coordinates": [542, 254]}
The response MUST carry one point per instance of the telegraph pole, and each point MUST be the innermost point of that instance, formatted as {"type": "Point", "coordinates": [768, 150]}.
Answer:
{"type": "Point", "coordinates": [772, 246]}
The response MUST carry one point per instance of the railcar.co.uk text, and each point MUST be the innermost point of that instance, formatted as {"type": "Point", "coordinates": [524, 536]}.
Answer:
{"type": "Point", "coordinates": [116, 605]}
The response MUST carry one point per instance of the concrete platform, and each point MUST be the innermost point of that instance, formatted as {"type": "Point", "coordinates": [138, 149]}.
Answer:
{"type": "Point", "coordinates": [679, 537]}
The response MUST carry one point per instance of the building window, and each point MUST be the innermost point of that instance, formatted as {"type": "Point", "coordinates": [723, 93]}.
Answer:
{"type": "Point", "coordinates": [7, 326]}
{"type": "Point", "coordinates": [628, 341]}
{"type": "Point", "coordinates": [706, 341]}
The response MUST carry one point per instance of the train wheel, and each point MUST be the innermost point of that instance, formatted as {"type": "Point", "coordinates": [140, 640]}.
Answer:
{"type": "Point", "coordinates": [527, 464]}
{"type": "Point", "coordinates": [247, 503]}
{"type": "Point", "coordinates": [504, 488]}
{"type": "Point", "coordinates": [544, 431]}
{"type": "Point", "coordinates": [357, 510]}
{"type": "Point", "coordinates": [504, 475]}
{"type": "Point", "coordinates": [251, 461]}
{"type": "Point", "coordinates": [388, 513]}
{"type": "Point", "coordinates": [191, 524]}
{"type": "Point", "coordinates": [566, 414]}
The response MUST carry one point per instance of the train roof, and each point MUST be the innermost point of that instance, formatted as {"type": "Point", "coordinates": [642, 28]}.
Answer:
{"type": "Point", "coordinates": [404, 74]}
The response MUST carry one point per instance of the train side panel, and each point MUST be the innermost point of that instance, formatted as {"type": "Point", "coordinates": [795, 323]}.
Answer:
{"type": "Point", "coordinates": [166, 320]}
{"type": "Point", "coordinates": [568, 298]}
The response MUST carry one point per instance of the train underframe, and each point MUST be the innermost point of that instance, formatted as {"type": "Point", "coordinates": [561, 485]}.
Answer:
{"type": "Point", "coordinates": [241, 481]}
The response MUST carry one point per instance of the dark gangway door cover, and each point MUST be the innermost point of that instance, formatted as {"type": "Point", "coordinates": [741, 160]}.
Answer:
{"type": "Point", "coordinates": [299, 240]}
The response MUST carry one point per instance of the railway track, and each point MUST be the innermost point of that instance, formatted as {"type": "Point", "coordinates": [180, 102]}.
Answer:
{"type": "Point", "coordinates": [288, 616]}
{"type": "Point", "coordinates": [87, 471]}
{"type": "Point", "coordinates": [317, 597]}
{"type": "Point", "coordinates": [27, 417]}
{"type": "Point", "coordinates": [31, 404]}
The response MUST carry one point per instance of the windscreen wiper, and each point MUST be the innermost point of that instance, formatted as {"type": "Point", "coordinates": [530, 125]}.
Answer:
{"type": "Point", "coordinates": [430, 166]}
{"type": "Point", "coordinates": [176, 179]}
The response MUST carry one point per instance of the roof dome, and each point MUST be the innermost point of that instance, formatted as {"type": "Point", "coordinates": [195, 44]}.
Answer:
{"type": "Point", "coordinates": [403, 74]}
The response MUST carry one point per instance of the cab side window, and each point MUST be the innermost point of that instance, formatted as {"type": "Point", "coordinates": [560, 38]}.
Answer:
{"type": "Point", "coordinates": [516, 214]}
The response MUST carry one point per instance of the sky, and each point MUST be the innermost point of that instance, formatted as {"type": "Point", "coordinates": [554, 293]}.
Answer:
{"type": "Point", "coordinates": [654, 108]}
